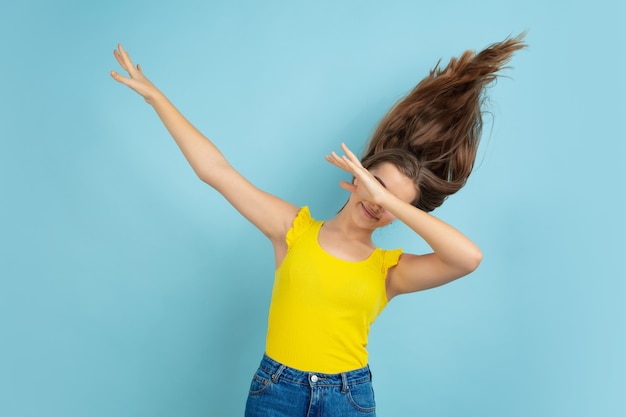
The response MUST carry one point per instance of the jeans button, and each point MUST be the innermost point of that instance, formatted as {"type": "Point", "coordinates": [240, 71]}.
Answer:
{"type": "Point", "coordinates": [314, 378]}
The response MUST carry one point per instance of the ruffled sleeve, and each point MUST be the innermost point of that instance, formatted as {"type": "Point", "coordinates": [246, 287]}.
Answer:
{"type": "Point", "coordinates": [390, 259]}
{"type": "Point", "coordinates": [301, 223]}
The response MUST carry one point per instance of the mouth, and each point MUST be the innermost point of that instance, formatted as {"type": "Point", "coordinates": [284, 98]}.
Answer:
{"type": "Point", "coordinates": [369, 212]}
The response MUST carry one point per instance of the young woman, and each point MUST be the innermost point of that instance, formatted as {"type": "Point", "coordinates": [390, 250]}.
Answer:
{"type": "Point", "coordinates": [331, 280]}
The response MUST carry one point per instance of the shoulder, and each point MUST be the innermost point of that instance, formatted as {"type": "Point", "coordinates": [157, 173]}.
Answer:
{"type": "Point", "coordinates": [301, 223]}
{"type": "Point", "coordinates": [390, 257]}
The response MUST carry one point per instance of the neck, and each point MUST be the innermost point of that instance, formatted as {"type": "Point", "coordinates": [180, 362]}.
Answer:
{"type": "Point", "coordinates": [344, 224]}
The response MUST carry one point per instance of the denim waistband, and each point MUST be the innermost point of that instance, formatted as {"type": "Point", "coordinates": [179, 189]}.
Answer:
{"type": "Point", "coordinates": [277, 371]}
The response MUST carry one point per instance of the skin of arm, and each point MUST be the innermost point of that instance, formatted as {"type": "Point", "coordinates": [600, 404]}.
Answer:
{"type": "Point", "coordinates": [454, 255]}
{"type": "Point", "coordinates": [268, 213]}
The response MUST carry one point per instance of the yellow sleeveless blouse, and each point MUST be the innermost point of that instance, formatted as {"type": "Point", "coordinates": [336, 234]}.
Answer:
{"type": "Point", "coordinates": [322, 306]}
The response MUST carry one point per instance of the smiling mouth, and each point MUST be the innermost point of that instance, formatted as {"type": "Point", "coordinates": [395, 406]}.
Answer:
{"type": "Point", "coordinates": [369, 212]}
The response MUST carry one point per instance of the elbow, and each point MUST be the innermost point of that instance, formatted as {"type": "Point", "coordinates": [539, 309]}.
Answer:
{"type": "Point", "coordinates": [470, 262]}
{"type": "Point", "coordinates": [212, 173]}
{"type": "Point", "coordinates": [205, 173]}
{"type": "Point", "coordinates": [203, 176]}
{"type": "Point", "coordinates": [473, 260]}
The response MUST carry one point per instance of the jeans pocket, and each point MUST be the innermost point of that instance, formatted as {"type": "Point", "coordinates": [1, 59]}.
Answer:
{"type": "Point", "coordinates": [361, 397]}
{"type": "Point", "coordinates": [260, 382]}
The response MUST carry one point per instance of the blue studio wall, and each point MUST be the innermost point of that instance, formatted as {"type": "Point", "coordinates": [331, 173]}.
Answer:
{"type": "Point", "coordinates": [130, 288]}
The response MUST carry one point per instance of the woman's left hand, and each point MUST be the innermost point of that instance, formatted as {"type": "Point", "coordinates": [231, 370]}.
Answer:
{"type": "Point", "coordinates": [365, 185]}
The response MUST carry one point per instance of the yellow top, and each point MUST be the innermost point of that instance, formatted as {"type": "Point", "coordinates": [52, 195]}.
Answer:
{"type": "Point", "coordinates": [322, 306]}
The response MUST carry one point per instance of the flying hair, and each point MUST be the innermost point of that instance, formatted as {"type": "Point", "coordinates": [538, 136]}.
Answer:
{"type": "Point", "coordinates": [439, 123]}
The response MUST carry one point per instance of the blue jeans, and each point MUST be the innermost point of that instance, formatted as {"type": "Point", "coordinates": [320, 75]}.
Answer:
{"type": "Point", "coordinates": [279, 391]}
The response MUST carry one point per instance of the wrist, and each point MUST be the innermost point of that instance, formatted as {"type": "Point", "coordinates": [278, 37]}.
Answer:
{"type": "Point", "coordinates": [154, 97]}
{"type": "Point", "coordinates": [400, 208]}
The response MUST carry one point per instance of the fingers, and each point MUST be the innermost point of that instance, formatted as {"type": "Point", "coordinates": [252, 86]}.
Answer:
{"type": "Point", "coordinates": [120, 60]}
{"type": "Point", "coordinates": [350, 159]}
{"type": "Point", "coordinates": [363, 179]}
{"type": "Point", "coordinates": [134, 73]}
{"type": "Point", "coordinates": [123, 58]}
{"type": "Point", "coordinates": [350, 154]}
{"type": "Point", "coordinates": [120, 78]}
{"type": "Point", "coordinates": [348, 186]}
{"type": "Point", "coordinates": [339, 162]}
{"type": "Point", "coordinates": [348, 162]}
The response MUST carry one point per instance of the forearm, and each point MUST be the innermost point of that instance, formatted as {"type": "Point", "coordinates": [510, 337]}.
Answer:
{"type": "Point", "coordinates": [450, 245]}
{"type": "Point", "coordinates": [204, 157]}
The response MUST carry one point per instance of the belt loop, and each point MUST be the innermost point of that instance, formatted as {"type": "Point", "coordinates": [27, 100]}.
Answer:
{"type": "Point", "coordinates": [276, 374]}
{"type": "Point", "coordinates": [344, 383]}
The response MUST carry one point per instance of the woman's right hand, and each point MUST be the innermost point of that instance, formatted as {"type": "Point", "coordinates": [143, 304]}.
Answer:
{"type": "Point", "coordinates": [136, 80]}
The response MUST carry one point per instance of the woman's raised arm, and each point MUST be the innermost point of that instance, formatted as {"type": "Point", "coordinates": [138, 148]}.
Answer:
{"type": "Point", "coordinates": [268, 213]}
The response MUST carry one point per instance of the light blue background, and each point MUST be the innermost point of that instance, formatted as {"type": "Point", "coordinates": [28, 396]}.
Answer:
{"type": "Point", "coordinates": [130, 288]}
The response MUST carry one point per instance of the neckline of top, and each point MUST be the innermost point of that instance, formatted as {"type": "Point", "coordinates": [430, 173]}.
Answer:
{"type": "Point", "coordinates": [324, 251]}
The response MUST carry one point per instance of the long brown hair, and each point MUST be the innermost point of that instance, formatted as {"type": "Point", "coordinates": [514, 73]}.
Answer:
{"type": "Point", "coordinates": [439, 123]}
